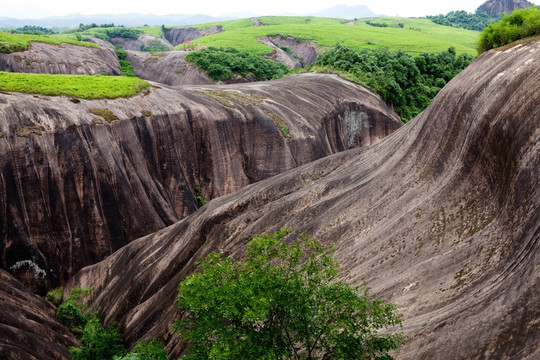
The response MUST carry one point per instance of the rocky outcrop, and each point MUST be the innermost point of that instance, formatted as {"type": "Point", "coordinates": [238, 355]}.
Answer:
{"type": "Point", "coordinates": [61, 59]}
{"type": "Point", "coordinates": [143, 40]}
{"type": "Point", "coordinates": [441, 218]}
{"type": "Point", "coordinates": [28, 325]}
{"type": "Point", "coordinates": [179, 35]}
{"type": "Point", "coordinates": [170, 68]}
{"type": "Point", "coordinates": [74, 188]}
{"type": "Point", "coordinates": [495, 8]}
{"type": "Point", "coordinates": [291, 52]}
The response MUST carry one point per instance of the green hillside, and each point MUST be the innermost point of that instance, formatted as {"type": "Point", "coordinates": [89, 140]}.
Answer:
{"type": "Point", "coordinates": [19, 42]}
{"type": "Point", "coordinates": [414, 36]}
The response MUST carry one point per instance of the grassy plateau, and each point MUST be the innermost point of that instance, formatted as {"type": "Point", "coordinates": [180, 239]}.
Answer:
{"type": "Point", "coordinates": [19, 42]}
{"type": "Point", "coordinates": [81, 86]}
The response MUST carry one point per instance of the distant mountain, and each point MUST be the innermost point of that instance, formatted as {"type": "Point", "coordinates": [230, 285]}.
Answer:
{"type": "Point", "coordinates": [129, 20]}
{"type": "Point", "coordinates": [495, 8]}
{"type": "Point", "coordinates": [346, 12]}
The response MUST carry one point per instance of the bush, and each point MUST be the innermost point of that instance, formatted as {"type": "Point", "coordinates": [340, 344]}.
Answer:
{"type": "Point", "coordinates": [407, 82]}
{"type": "Point", "coordinates": [98, 342]}
{"type": "Point", "coordinates": [222, 64]}
{"type": "Point", "coordinates": [55, 296]}
{"type": "Point", "coordinates": [519, 24]}
{"type": "Point", "coordinates": [73, 313]}
{"type": "Point", "coordinates": [283, 301]}
{"type": "Point", "coordinates": [153, 350]}
{"type": "Point", "coordinates": [462, 19]}
{"type": "Point", "coordinates": [125, 66]}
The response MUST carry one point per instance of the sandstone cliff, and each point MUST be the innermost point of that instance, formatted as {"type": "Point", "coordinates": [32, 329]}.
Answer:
{"type": "Point", "coordinates": [28, 325]}
{"type": "Point", "coordinates": [179, 35]}
{"type": "Point", "coordinates": [65, 59]}
{"type": "Point", "coordinates": [495, 8]}
{"type": "Point", "coordinates": [441, 218]}
{"type": "Point", "coordinates": [80, 179]}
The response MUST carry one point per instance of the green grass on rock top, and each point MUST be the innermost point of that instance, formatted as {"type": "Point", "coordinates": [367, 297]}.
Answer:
{"type": "Point", "coordinates": [81, 86]}
{"type": "Point", "coordinates": [10, 43]}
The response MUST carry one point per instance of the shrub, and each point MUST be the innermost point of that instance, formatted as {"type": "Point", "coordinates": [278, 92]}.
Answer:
{"type": "Point", "coordinates": [283, 301]}
{"type": "Point", "coordinates": [519, 24]}
{"type": "Point", "coordinates": [74, 313]}
{"type": "Point", "coordinates": [222, 64]}
{"type": "Point", "coordinates": [98, 342]}
{"type": "Point", "coordinates": [153, 350]}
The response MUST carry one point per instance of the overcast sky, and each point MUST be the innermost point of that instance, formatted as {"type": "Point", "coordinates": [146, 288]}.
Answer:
{"type": "Point", "coordinates": [44, 8]}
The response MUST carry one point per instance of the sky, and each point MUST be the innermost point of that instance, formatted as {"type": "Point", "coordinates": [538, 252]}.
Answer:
{"type": "Point", "coordinates": [43, 8]}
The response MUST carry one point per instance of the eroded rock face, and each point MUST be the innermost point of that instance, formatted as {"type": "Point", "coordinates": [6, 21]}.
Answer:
{"type": "Point", "coordinates": [170, 68]}
{"type": "Point", "coordinates": [495, 8]}
{"type": "Point", "coordinates": [143, 39]}
{"type": "Point", "coordinates": [179, 35]}
{"type": "Point", "coordinates": [296, 53]}
{"type": "Point", "coordinates": [65, 59]}
{"type": "Point", "coordinates": [75, 188]}
{"type": "Point", "coordinates": [441, 218]}
{"type": "Point", "coordinates": [28, 325]}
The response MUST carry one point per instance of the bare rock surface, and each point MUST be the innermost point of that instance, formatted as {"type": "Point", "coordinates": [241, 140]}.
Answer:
{"type": "Point", "coordinates": [299, 54]}
{"type": "Point", "coordinates": [179, 35]}
{"type": "Point", "coordinates": [74, 188]}
{"type": "Point", "coordinates": [442, 218]}
{"type": "Point", "coordinates": [495, 8]}
{"type": "Point", "coordinates": [170, 68]}
{"type": "Point", "coordinates": [28, 325]}
{"type": "Point", "coordinates": [61, 59]}
{"type": "Point", "coordinates": [143, 39]}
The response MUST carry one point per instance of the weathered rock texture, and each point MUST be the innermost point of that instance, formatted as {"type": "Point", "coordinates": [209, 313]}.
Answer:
{"type": "Point", "coordinates": [497, 7]}
{"type": "Point", "coordinates": [75, 188]}
{"type": "Point", "coordinates": [299, 54]}
{"type": "Point", "coordinates": [170, 68]}
{"type": "Point", "coordinates": [179, 35]}
{"type": "Point", "coordinates": [28, 325]}
{"type": "Point", "coordinates": [441, 218]}
{"type": "Point", "coordinates": [61, 59]}
{"type": "Point", "coordinates": [144, 39]}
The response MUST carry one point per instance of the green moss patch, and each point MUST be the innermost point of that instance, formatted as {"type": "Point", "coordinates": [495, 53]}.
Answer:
{"type": "Point", "coordinates": [224, 97]}
{"type": "Point", "coordinates": [26, 131]}
{"type": "Point", "coordinates": [280, 123]}
{"type": "Point", "coordinates": [146, 113]}
{"type": "Point", "coordinates": [104, 113]}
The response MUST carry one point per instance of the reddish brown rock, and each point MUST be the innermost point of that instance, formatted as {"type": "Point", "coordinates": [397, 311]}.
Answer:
{"type": "Point", "coordinates": [74, 188]}
{"type": "Point", "coordinates": [179, 35]}
{"type": "Point", "coordinates": [45, 58]}
{"type": "Point", "coordinates": [441, 218]}
{"type": "Point", "coordinates": [28, 325]}
{"type": "Point", "coordinates": [495, 8]}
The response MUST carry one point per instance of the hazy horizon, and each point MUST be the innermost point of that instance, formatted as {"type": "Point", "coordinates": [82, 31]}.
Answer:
{"type": "Point", "coordinates": [34, 9]}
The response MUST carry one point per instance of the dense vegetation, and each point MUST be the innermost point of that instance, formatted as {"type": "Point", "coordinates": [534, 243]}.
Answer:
{"type": "Point", "coordinates": [125, 66]}
{"type": "Point", "coordinates": [477, 21]}
{"type": "Point", "coordinates": [282, 302]}
{"type": "Point", "coordinates": [519, 24]}
{"type": "Point", "coordinates": [414, 36]}
{"type": "Point", "coordinates": [408, 82]}
{"type": "Point", "coordinates": [97, 341]}
{"type": "Point", "coordinates": [10, 43]}
{"type": "Point", "coordinates": [223, 63]}
{"type": "Point", "coordinates": [32, 30]}
{"type": "Point", "coordinates": [81, 86]}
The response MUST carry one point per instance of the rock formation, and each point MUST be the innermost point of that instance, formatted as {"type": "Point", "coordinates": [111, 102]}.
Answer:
{"type": "Point", "coordinates": [143, 39]}
{"type": "Point", "coordinates": [170, 68]}
{"type": "Point", "coordinates": [65, 59]}
{"type": "Point", "coordinates": [291, 52]}
{"type": "Point", "coordinates": [29, 326]}
{"type": "Point", "coordinates": [495, 8]}
{"type": "Point", "coordinates": [441, 218]}
{"type": "Point", "coordinates": [81, 178]}
{"type": "Point", "coordinates": [179, 35]}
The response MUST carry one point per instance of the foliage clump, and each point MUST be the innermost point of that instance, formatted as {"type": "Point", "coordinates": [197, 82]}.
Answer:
{"type": "Point", "coordinates": [222, 64]}
{"type": "Point", "coordinates": [408, 82]}
{"type": "Point", "coordinates": [519, 24]}
{"type": "Point", "coordinates": [153, 350]}
{"type": "Point", "coordinates": [125, 66]}
{"type": "Point", "coordinates": [282, 302]}
{"type": "Point", "coordinates": [477, 21]}
{"type": "Point", "coordinates": [98, 342]}
{"type": "Point", "coordinates": [55, 296]}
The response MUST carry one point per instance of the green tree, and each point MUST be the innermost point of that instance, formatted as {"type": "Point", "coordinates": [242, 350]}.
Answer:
{"type": "Point", "coordinates": [282, 301]}
{"type": "Point", "coordinates": [98, 342]}
{"type": "Point", "coordinates": [153, 350]}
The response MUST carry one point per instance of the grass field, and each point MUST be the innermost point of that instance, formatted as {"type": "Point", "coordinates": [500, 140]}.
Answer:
{"type": "Point", "coordinates": [416, 36]}
{"type": "Point", "coordinates": [81, 86]}
{"type": "Point", "coordinates": [19, 42]}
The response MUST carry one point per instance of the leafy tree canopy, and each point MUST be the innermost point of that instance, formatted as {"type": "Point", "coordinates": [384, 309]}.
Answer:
{"type": "Point", "coordinates": [462, 19]}
{"type": "Point", "coordinates": [519, 24]}
{"type": "Point", "coordinates": [282, 302]}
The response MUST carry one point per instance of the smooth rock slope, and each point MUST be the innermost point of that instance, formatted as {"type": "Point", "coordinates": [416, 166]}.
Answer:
{"type": "Point", "coordinates": [441, 218]}
{"type": "Point", "coordinates": [81, 178]}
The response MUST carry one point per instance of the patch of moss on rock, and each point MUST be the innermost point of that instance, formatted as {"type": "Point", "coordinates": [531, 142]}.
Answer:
{"type": "Point", "coordinates": [146, 113]}
{"type": "Point", "coordinates": [104, 113]}
{"type": "Point", "coordinates": [97, 121]}
{"type": "Point", "coordinates": [280, 123]}
{"type": "Point", "coordinates": [224, 97]}
{"type": "Point", "coordinates": [26, 131]}
{"type": "Point", "coordinates": [1, 134]}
